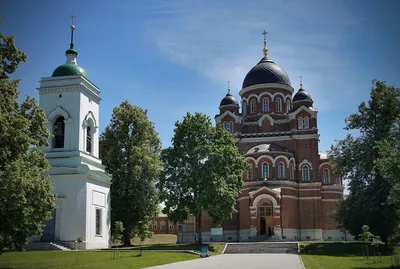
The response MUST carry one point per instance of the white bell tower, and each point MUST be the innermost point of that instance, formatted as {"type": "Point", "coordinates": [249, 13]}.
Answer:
{"type": "Point", "coordinates": [71, 103]}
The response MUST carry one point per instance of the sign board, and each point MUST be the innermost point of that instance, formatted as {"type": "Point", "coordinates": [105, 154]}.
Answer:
{"type": "Point", "coordinates": [217, 231]}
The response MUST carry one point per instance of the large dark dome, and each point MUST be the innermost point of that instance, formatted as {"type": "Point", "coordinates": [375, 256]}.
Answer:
{"type": "Point", "coordinates": [266, 71]}
{"type": "Point", "coordinates": [228, 100]}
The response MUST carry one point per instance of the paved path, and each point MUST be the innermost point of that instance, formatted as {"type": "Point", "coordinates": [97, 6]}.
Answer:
{"type": "Point", "coordinates": [239, 261]}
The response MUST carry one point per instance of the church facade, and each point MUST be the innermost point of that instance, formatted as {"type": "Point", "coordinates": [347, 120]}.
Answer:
{"type": "Point", "coordinates": [291, 191]}
{"type": "Point", "coordinates": [71, 103]}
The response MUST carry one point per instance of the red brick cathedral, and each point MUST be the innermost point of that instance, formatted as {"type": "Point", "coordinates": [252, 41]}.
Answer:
{"type": "Point", "coordinates": [290, 191]}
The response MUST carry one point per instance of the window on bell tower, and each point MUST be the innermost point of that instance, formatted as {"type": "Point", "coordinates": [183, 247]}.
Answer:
{"type": "Point", "coordinates": [59, 133]}
{"type": "Point", "coordinates": [287, 106]}
{"type": "Point", "coordinates": [306, 173]}
{"type": "Point", "coordinates": [265, 170]}
{"type": "Point", "coordinates": [88, 140]}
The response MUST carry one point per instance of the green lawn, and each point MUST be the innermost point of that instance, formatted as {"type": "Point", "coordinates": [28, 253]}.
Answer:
{"type": "Point", "coordinates": [340, 255]}
{"type": "Point", "coordinates": [66, 259]}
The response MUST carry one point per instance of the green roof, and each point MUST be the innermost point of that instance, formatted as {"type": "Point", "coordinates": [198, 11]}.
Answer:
{"type": "Point", "coordinates": [69, 70]}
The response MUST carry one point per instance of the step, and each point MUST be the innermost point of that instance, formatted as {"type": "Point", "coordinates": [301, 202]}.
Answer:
{"type": "Point", "coordinates": [262, 247]}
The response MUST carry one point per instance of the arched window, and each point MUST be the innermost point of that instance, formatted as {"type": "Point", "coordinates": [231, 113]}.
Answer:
{"type": "Point", "coordinates": [300, 123]}
{"type": "Point", "coordinates": [162, 225]}
{"type": "Point", "coordinates": [250, 173]}
{"type": "Point", "coordinates": [281, 170]}
{"type": "Point", "coordinates": [154, 226]}
{"type": "Point", "coordinates": [88, 140]}
{"type": "Point", "coordinates": [265, 103]}
{"type": "Point", "coordinates": [279, 105]}
{"type": "Point", "coordinates": [228, 125]}
{"type": "Point", "coordinates": [306, 123]}
{"type": "Point", "coordinates": [287, 106]}
{"type": "Point", "coordinates": [326, 176]}
{"type": "Point", "coordinates": [253, 106]}
{"type": "Point", "coordinates": [266, 209]}
{"type": "Point", "coordinates": [291, 171]}
{"type": "Point", "coordinates": [306, 173]}
{"type": "Point", "coordinates": [59, 132]}
{"type": "Point", "coordinates": [265, 170]}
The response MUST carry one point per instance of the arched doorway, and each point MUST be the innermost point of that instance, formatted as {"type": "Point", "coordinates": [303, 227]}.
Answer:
{"type": "Point", "coordinates": [265, 217]}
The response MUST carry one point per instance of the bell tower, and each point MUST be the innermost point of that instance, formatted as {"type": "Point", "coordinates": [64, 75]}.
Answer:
{"type": "Point", "coordinates": [71, 103]}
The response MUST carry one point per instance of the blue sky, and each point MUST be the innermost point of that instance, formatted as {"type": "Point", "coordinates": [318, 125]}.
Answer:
{"type": "Point", "coordinates": [171, 57]}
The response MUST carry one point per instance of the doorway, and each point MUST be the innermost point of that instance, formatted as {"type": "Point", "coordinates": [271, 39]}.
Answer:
{"type": "Point", "coordinates": [49, 229]}
{"type": "Point", "coordinates": [265, 214]}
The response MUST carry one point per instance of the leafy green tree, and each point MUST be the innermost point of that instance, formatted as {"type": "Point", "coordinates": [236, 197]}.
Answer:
{"type": "Point", "coordinates": [130, 149]}
{"type": "Point", "coordinates": [357, 159]}
{"type": "Point", "coordinates": [26, 198]}
{"type": "Point", "coordinates": [117, 231]}
{"type": "Point", "coordinates": [203, 171]}
{"type": "Point", "coordinates": [142, 231]}
{"type": "Point", "coordinates": [366, 237]}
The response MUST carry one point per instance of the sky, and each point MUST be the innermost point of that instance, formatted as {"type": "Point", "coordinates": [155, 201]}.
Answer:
{"type": "Point", "coordinates": [172, 57]}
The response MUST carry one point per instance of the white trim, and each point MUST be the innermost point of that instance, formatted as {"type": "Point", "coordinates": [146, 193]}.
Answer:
{"type": "Point", "coordinates": [331, 200]}
{"type": "Point", "coordinates": [313, 113]}
{"type": "Point", "coordinates": [306, 136]}
{"type": "Point", "coordinates": [227, 112]}
{"type": "Point", "coordinates": [333, 192]}
{"type": "Point", "coordinates": [309, 189]}
{"type": "Point", "coordinates": [310, 198]}
{"type": "Point", "coordinates": [264, 196]}
{"type": "Point", "coordinates": [58, 111]}
{"type": "Point", "coordinates": [260, 120]}
{"type": "Point", "coordinates": [289, 196]}
{"type": "Point", "coordinates": [242, 198]}
{"type": "Point", "coordinates": [266, 85]}
{"type": "Point", "coordinates": [305, 161]}
{"type": "Point", "coordinates": [285, 158]}
{"type": "Point", "coordinates": [324, 163]}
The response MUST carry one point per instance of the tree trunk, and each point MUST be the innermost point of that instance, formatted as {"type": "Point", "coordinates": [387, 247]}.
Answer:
{"type": "Point", "coordinates": [127, 235]}
{"type": "Point", "coordinates": [141, 247]}
{"type": "Point", "coordinates": [198, 228]}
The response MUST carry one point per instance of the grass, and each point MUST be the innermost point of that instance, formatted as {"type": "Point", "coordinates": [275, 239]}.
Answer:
{"type": "Point", "coordinates": [157, 239]}
{"type": "Point", "coordinates": [100, 260]}
{"type": "Point", "coordinates": [340, 255]}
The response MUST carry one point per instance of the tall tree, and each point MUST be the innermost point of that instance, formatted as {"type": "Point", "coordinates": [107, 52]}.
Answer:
{"type": "Point", "coordinates": [130, 149]}
{"type": "Point", "coordinates": [355, 158]}
{"type": "Point", "coordinates": [203, 171]}
{"type": "Point", "coordinates": [26, 198]}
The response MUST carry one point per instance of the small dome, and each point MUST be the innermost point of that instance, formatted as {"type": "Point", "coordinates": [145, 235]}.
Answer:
{"type": "Point", "coordinates": [228, 100]}
{"type": "Point", "coordinates": [302, 95]}
{"type": "Point", "coordinates": [263, 148]}
{"type": "Point", "coordinates": [266, 71]}
{"type": "Point", "coordinates": [69, 70]}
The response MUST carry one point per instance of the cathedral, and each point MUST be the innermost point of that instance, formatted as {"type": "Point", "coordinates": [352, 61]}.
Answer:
{"type": "Point", "coordinates": [291, 191]}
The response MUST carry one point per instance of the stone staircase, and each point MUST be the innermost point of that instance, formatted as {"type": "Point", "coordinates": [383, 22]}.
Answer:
{"type": "Point", "coordinates": [262, 247]}
{"type": "Point", "coordinates": [38, 246]}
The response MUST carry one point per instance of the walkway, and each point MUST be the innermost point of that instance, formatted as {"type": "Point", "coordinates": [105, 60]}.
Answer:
{"type": "Point", "coordinates": [239, 261]}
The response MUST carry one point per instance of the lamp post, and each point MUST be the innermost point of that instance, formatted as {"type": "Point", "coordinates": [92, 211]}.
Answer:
{"type": "Point", "coordinates": [280, 204]}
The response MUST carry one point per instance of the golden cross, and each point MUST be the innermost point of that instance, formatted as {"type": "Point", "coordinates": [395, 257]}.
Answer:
{"type": "Point", "coordinates": [72, 18]}
{"type": "Point", "coordinates": [265, 35]}
{"type": "Point", "coordinates": [229, 87]}
{"type": "Point", "coordinates": [301, 82]}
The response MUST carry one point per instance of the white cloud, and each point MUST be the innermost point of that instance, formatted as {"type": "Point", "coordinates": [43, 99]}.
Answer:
{"type": "Point", "coordinates": [225, 42]}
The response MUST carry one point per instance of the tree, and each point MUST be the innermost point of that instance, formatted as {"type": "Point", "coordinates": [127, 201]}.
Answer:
{"type": "Point", "coordinates": [26, 198]}
{"type": "Point", "coordinates": [130, 149]}
{"type": "Point", "coordinates": [117, 231]}
{"type": "Point", "coordinates": [362, 160]}
{"type": "Point", "coordinates": [203, 171]}
{"type": "Point", "coordinates": [142, 231]}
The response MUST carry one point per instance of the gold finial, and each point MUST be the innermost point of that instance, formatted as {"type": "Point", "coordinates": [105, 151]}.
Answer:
{"type": "Point", "coordinates": [72, 27]}
{"type": "Point", "coordinates": [265, 50]}
{"type": "Point", "coordinates": [229, 87]}
{"type": "Point", "coordinates": [301, 82]}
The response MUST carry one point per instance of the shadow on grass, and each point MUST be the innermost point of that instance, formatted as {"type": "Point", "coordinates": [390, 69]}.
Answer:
{"type": "Point", "coordinates": [195, 247]}
{"type": "Point", "coordinates": [340, 249]}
